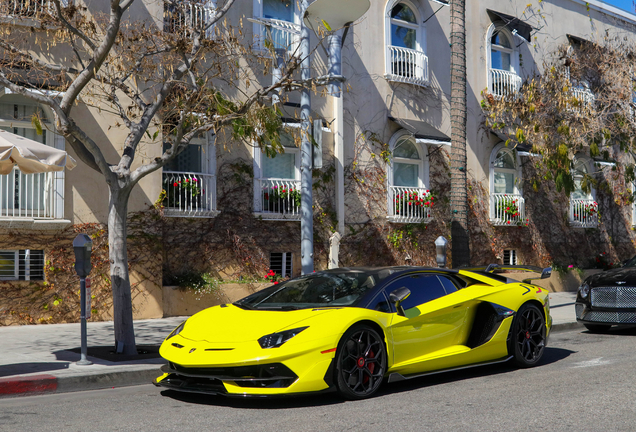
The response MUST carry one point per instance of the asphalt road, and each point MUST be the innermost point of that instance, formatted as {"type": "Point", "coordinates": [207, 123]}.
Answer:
{"type": "Point", "coordinates": [585, 382]}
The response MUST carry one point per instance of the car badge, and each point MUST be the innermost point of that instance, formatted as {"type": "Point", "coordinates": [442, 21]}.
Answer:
{"type": "Point", "coordinates": [621, 282]}
{"type": "Point", "coordinates": [192, 350]}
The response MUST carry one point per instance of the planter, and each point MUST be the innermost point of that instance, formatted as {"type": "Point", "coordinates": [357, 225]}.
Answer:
{"type": "Point", "coordinates": [185, 302]}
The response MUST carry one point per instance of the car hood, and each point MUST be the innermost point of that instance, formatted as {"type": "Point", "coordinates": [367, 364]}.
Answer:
{"type": "Point", "coordinates": [613, 277]}
{"type": "Point", "coordinates": [233, 324]}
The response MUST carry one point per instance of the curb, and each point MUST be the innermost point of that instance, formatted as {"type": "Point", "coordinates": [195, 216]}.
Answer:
{"type": "Point", "coordinates": [48, 384]}
{"type": "Point", "coordinates": [566, 326]}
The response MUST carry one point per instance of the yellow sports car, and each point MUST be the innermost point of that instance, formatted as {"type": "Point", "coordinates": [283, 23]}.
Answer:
{"type": "Point", "coordinates": [349, 329]}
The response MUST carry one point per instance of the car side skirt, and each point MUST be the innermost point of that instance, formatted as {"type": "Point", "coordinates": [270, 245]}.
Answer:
{"type": "Point", "coordinates": [396, 377]}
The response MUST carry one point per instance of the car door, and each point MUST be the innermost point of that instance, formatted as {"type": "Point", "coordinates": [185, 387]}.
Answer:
{"type": "Point", "coordinates": [433, 318]}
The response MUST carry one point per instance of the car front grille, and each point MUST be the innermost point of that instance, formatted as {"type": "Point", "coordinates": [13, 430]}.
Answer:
{"type": "Point", "coordinates": [273, 375]}
{"type": "Point", "coordinates": [579, 308]}
{"type": "Point", "coordinates": [608, 317]}
{"type": "Point", "coordinates": [614, 297]}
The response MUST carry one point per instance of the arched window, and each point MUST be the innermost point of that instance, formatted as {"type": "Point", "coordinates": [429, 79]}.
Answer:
{"type": "Point", "coordinates": [277, 181]}
{"type": "Point", "coordinates": [503, 62]}
{"type": "Point", "coordinates": [409, 199]}
{"type": "Point", "coordinates": [406, 59]}
{"type": "Point", "coordinates": [583, 206]}
{"type": "Point", "coordinates": [507, 206]}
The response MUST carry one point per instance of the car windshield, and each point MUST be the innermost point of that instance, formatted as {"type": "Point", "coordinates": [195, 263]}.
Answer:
{"type": "Point", "coordinates": [630, 262]}
{"type": "Point", "coordinates": [323, 289]}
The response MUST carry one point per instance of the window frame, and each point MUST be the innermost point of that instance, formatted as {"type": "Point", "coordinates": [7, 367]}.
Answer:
{"type": "Point", "coordinates": [420, 27]}
{"type": "Point", "coordinates": [423, 163]}
{"type": "Point", "coordinates": [28, 265]}
{"type": "Point", "coordinates": [514, 51]}
{"type": "Point", "coordinates": [258, 30]}
{"type": "Point", "coordinates": [517, 183]}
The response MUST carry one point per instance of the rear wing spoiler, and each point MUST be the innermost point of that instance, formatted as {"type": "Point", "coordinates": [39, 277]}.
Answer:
{"type": "Point", "coordinates": [490, 268]}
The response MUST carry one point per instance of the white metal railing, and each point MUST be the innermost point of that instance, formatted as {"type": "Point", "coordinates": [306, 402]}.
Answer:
{"type": "Point", "coordinates": [583, 213]}
{"type": "Point", "coordinates": [28, 8]}
{"type": "Point", "coordinates": [278, 198]}
{"type": "Point", "coordinates": [188, 16]}
{"type": "Point", "coordinates": [407, 65]}
{"type": "Point", "coordinates": [189, 194]}
{"type": "Point", "coordinates": [583, 95]}
{"type": "Point", "coordinates": [507, 209]}
{"type": "Point", "coordinates": [284, 34]}
{"type": "Point", "coordinates": [29, 196]}
{"type": "Point", "coordinates": [503, 83]}
{"type": "Point", "coordinates": [409, 204]}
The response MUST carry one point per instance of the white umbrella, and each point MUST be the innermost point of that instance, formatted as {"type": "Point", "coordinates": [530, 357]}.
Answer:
{"type": "Point", "coordinates": [30, 156]}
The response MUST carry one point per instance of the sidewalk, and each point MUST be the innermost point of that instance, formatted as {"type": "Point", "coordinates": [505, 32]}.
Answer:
{"type": "Point", "coordinates": [37, 359]}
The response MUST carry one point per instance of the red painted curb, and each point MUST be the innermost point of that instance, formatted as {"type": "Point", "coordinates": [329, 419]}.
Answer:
{"type": "Point", "coordinates": [34, 384]}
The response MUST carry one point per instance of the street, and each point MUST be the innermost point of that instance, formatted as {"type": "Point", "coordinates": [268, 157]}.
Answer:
{"type": "Point", "coordinates": [585, 382]}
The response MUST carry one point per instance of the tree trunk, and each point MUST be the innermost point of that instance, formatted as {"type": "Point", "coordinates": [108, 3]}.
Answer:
{"type": "Point", "coordinates": [120, 281]}
{"type": "Point", "coordinates": [459, 197]}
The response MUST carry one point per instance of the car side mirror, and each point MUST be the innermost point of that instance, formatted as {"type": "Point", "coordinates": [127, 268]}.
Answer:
{"type": "Point", "coordinates": [546, 273]}
{"type": "Point", "coordinates": [398, 296]}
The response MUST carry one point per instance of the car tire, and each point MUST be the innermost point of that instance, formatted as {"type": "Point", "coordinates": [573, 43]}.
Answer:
{"type": "Point", "coordinates": [527, 336]}
{"type": "Point", "coordinates": [360, 363]}
{"type": "Point", "coordinates": [597, 328]}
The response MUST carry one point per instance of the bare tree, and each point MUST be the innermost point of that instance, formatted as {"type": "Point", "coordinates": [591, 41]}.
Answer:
{"type": "Point", "coordinates": [166, 86]}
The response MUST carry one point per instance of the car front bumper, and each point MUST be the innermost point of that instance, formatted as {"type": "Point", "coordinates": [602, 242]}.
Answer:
{"type": "Point", "coordinates": [610, 316]}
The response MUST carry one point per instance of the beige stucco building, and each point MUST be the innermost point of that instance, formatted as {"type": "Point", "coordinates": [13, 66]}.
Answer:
{"type": "Point", "coordinates": [385, 147]}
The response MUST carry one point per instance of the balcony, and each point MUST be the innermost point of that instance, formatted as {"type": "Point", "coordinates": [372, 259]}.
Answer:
{"type": "Point", "coordinates": [188, 16]}
{"type": "Point", "coordinates": [409, 205]}
{"type": "Point", "coordinates": [503, 83]}
{"type": "Point", "coordinates": [28, 8]}
{"type": "Point", "coordinates": [277, 199]}
{"type": "Point", "coordinates": [583, 94]}
{"type": "Point", "coordinates": [583, 213]}
{"type": "Point", "coordinates": [407, 66]}
{"type": "Point", "coordinates": [189, 194]}
{"type": "Point", "coordinates": [507, 210]}
{"type": "Point", "coordinates": [284, 34]}
{"type": "Point", "coordinates": [31, 196]}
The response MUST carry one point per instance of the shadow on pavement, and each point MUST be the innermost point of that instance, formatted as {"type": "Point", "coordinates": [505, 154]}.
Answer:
{"type": "Point", "coordinates": [26, 368]}
{"type": "Point", "coordinates": [551, 355]}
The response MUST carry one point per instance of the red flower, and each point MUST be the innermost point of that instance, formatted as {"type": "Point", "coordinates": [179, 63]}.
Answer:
{"type": "Point", "coordinates": [175, 184]}
{"type": "Point", "coordinates": [187, 180]}
{"type": "Point", "coordinates": [194, 180]}
{"type": "Point", "coordinates": [275, 283]}
{"type": "Point", "coordinates": [508, 222]}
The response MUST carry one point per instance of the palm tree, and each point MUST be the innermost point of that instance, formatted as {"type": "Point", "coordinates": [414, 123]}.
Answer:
{"type": "Point", "coordinates": [460, 253]}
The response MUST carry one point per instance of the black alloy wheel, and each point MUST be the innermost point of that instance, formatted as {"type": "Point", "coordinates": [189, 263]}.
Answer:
{"type": "Point", "coordinates": [361, 362]}
{"type": "Point", "coordinates": [598, 328]}
{"type": "Point", "coordinates": [528, 336]}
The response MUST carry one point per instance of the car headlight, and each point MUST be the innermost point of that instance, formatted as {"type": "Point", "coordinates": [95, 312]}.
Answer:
{"type": "Point", "coordinates": [177, 330]}
{"type": "Point", "coordinates": [275, 340]}
{"type": "Point", "coordinates": [584, 290]}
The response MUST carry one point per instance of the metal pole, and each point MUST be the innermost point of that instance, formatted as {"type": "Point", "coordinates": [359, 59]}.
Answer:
{"type": "Point", "coordinates": [84, 348]}
{"type": "Point", "coordinates": [306, 210]}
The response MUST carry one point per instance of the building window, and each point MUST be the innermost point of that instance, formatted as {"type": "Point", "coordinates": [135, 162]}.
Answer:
{"type": "Point", "coordinates": [39, 195]}
{"type": "Point", "coordinates": [583, 206]}
{"type": "Point", "coordinates": [281, 263]}
{"type": "Point", "coordinates": [507, 206]}
{"type": "Point", "coordinates": [277, 181]}
{"type": "Point", "coordinates": [281, 23]}
{"type": "Point", "coordinates": [409, 199]}
{"type": "Point", "coordinates": [24, 264]}
{"type": "Point", "coordinates": [509, 257]}
{"type": "Point", "coordinates": [503, 62]}
{"type": "Point", "coordinates": [189, 180]}
{"type": "Point", "coordinates": [406, 59]}
{"type": "Point", "coordinates": [29, 8]}
{"type": "Point", "coordinates": [185, 16]}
